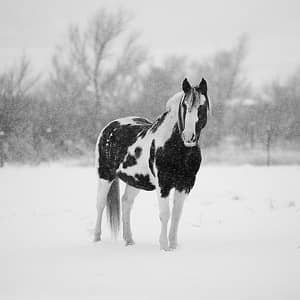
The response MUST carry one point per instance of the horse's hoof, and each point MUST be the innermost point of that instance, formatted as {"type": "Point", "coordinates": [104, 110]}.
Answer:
{"type": "Point", "coordinates": [129, 243]}
{"type": "Point", "coordinates": [164, 246]}
{"type": "Point", "coordinates": [173, 246]}
{"type": "Point", "coordinates": [97, 238]}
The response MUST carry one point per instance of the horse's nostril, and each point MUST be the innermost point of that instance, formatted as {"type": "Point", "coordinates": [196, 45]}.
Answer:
{"type": "Point", "coordinates": [190, 139]}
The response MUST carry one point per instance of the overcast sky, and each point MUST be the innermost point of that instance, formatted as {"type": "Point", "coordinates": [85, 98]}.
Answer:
{"type": "Point", "coordinates": [187, 27]}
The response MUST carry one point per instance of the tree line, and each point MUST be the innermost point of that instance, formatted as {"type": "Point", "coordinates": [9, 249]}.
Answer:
{"type": "Point", "coordinates": [102, 72]}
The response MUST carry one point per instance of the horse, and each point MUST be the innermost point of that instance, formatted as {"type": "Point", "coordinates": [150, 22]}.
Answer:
{"type": "Point", "coordinates": [163, 156]}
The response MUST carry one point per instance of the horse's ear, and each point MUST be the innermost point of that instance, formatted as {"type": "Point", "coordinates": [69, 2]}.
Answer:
{"type": "Point", "coordinates": [203, 86]}
{"type": "Point", "coordinates": [186, 87]}
{"type": "Point", "coordinates": [203, 91]}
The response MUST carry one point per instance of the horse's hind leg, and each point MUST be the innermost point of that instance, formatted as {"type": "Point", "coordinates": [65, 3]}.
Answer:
{"type": "Point", "coordinates": [102, 191]}
{"type": "Point", "coordinates": [127, 202]}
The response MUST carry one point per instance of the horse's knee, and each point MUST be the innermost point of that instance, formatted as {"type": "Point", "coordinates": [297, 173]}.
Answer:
{"type": "Point", "coordinates": [129, 195]}
{"type": "Point", "coordinates": [124, 198]}
{"type": "Point", "coordinates": [128, 201]}
{"type": "Point", "coordinates": [164, 209]}
{"type": "Point", "coordinates": [164, 215]}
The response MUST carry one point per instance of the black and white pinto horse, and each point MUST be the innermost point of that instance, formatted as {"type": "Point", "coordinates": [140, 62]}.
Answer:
{"type": "Point", "coordinates": [163, 155]}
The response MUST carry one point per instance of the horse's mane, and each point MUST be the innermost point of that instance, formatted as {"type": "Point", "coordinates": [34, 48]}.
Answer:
{"type": "Point", "coordinates": [173, 102]}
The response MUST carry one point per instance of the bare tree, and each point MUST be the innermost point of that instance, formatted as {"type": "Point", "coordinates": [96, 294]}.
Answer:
{"type": "Point", "coordinates": [292, 106]}
{"type": "Point", "coordinates": [225, 74]}
{"type": "Point", "coordinates": [16, 84]}
{"type": "Point", "coordinates": [159, 84]}
{"type": "Point", "coordinates": [18, 80]}
{"type": "Point", "coordinates": [103, 60]}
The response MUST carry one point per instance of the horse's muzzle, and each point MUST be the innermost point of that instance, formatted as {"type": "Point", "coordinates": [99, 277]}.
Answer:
{"type": "Point", "coordinates": [189, 142]}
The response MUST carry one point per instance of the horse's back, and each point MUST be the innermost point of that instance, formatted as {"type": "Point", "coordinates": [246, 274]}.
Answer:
{"type": "Point", "coordinates": [114, 141]}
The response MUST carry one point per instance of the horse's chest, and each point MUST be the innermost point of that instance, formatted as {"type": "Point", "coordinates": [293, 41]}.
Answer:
{"type": "Point", "coordinates": [177, 169]}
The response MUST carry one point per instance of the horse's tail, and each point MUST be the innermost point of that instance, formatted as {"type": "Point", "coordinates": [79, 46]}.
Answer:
{"type": "Point", "coordinates": [113, 207]}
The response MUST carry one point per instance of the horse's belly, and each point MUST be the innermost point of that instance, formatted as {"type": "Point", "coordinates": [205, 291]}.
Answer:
{"type": "Point", "coordinates": [137, 180]}
{"type": "Point", "coordinates": [134, 169]}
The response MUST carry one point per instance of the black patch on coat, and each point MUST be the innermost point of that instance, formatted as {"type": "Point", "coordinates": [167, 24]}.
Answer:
{"type": "Point", "coordinates": [137, 152]}
{"type": "Point", "coordinates": [130, 161]}
{"type": "Point", "coordinates": [139, 181]}
{"type": "Point", "coordinates": [114, 143]}
{"type": "Point", "coordinates": [158, 122]}
{"type": "Point", "coordinates": [151, 158]}
{"type": "Point", "coordinates": [177, 164]}
{"type": "Point", "coordinates": [202, 119]}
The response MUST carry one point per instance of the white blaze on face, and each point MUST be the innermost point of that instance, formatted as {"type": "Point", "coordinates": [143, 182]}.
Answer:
{"type": "Point", "coordinates": [191, 118]}
{"type": "Point", "coordinates": [189, 132]}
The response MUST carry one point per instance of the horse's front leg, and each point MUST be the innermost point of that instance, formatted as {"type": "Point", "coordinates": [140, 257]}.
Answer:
{"type": "Point", "coordinates": [179, 198]}
{"type": "Point", "coordinates": [164, 215]}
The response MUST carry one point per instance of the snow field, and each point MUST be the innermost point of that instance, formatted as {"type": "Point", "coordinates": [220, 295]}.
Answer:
{"type": "Point", "coordinates": [239, 238]}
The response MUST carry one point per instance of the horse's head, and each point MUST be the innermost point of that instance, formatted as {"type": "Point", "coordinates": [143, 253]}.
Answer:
{"type": "Point", "coordinates": [192, 112]}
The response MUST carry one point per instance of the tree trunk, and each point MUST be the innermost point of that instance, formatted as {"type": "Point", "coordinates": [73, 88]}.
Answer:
{"type": "Point", "coordinates": [268, 146]}
{"type": "Point", "coordinates": [1, 154]}
{"type": "Point", "coordinates": [252, 137]}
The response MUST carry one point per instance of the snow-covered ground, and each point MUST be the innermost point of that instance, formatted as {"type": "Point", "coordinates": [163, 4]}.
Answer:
{"type": "Point", "coordinates": [239, 238]}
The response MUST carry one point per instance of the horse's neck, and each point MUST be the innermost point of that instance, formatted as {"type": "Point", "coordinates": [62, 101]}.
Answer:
{"type": "Point", "coordinates": [166, 129]}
